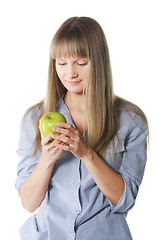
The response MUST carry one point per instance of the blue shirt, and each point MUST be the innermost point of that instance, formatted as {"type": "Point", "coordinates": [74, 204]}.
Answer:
{"type": "Point", "coordinates": [74, 208]}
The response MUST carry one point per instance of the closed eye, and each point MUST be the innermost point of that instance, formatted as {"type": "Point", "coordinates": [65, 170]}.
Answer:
{"type": "Point", "coordinates": [82, 64]}
{"type": "Point", "coordinates": [62, 64]}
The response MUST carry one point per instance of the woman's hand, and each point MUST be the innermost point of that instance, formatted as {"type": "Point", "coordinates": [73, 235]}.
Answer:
{"type": "Point", "coordinates": [50, 151]}
{"type": "Point", "coordinates": [70, 140]}
{"type": "Point", "coordinates": [33, 189]}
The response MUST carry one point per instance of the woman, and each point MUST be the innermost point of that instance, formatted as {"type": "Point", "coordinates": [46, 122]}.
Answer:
{"type": "Point", "coordinates": [87, 179]}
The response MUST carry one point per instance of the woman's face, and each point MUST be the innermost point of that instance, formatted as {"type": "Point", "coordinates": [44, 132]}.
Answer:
{"type": "Point", "coordinates": [73, 72]}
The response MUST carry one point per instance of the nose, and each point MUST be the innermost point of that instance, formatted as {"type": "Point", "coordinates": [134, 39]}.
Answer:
{"type": "Point", "coordinates": [71, 72]}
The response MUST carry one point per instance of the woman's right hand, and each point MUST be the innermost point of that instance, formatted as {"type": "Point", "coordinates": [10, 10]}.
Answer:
{"type": "Point", "coordinates": [50, 152]}
{"type": "Point", "coordinates": [33, 189]}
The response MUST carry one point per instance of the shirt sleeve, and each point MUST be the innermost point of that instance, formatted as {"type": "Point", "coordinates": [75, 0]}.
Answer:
{"type": "Point", "coordinates": [25, 150]}
{"type": "Point", "coordinates": [133, 165]}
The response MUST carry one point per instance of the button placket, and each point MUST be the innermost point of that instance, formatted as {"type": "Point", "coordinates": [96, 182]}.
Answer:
{"type": "Point", "coordinates": [75, 205]}
{"type": "Point", "coordinates": [72, 235]}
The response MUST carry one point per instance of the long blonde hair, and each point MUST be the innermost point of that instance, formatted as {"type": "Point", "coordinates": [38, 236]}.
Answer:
{"type": "Point", "coordinates": [84, 37]}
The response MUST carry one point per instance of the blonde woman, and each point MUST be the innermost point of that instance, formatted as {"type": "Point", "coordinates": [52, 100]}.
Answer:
{"type": "Point", "coordinates": [85, 181]}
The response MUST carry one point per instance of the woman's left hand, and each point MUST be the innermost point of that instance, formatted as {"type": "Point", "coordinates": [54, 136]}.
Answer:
{"type": "Point", "coordinates": [71, 140]}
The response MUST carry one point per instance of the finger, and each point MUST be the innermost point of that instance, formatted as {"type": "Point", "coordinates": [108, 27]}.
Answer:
{"type": "Point", "coordinates": [39, 122]}
{"type": "Point", "coordinates": [64, 146]}
{"type": "Point", "coordinates": [66, 126]}
{"type": "Point", "coordinates": [45, 140]}
{"type": "Point", "coordinates": [67, 132]}
{"type": "Point", "coordinates": [63, 138]}
{"type": "Point", "coordinates": [52, 144]}
{"type": "Point", "coordinates": [56, 152]}
{"type": "Point", "coordinates": [69, 127]}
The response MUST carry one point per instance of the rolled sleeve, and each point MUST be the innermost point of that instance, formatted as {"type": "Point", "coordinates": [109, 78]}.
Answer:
{"type": "Point", "coordinates": [133, 165]}
{"type": "Point", "coordinates": [26, 146]}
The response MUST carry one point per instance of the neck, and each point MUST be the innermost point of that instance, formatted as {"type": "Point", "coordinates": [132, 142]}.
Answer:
{"type": "Point", "coordinates": [75, 101]}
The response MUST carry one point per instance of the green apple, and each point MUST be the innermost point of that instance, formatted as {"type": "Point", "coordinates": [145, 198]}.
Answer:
{"type": "Point", "coordinates": [49, 121]}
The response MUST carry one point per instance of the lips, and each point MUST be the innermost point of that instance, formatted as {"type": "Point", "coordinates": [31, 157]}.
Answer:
{"type": "Point", "coordinates": [74, 82]}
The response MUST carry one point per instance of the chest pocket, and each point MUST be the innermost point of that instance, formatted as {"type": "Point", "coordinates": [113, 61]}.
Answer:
{"type": "Point", "coordinates": [114, 154]}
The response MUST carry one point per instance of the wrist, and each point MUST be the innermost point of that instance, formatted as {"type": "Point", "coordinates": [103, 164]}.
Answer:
{"type": "Point", "coordinates": [43, 164]}
{"type": "Point", "coordinates": [88, 156]}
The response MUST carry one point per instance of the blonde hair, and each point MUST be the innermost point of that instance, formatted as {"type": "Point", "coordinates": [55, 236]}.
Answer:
{"type": "Point", "coordinates": [84, 37]}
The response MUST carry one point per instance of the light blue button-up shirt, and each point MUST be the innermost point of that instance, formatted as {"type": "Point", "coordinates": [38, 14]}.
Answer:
{"type": "Point", "coordinates": [74, 208]}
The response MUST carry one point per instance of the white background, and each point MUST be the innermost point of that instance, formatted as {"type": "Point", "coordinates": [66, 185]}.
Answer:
{"type": "Point", "coordinates": [26, 31]}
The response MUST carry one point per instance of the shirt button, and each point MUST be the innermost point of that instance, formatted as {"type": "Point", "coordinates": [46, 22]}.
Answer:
{"type": "Point", "coordinates": [72, 235]}
{"type": "Point", "coordinates": [78, 184]}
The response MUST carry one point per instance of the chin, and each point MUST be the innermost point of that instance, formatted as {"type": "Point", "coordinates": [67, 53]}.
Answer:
{"type": "Point", "coordinates": [75, 91]}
